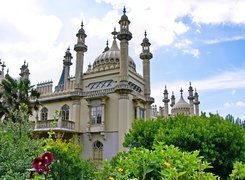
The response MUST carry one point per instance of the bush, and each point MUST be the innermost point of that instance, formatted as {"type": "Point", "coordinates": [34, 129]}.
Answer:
{"type": "Point", "coordinates": [238, 172]}
{"type": "Point", "coordinates": [220, 142]}
{"type": "Point", "coordinates": [17, 150]}
{"type": "Point", "coordinates": [67, 162]}
{"type": "Point", "coordinates": [164, 161]}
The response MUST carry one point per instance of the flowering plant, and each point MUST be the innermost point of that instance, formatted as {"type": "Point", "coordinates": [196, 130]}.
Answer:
{"type": "Point", "coordinates": [41, 164]}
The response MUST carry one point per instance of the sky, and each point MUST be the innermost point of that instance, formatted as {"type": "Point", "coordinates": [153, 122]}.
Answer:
{"type": "Point", "coordinates": [197, 41]}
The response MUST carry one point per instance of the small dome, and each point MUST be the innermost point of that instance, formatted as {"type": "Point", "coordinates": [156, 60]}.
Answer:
{"type": "Point", "coordinates": [181, 107]}
{"type": "Point", "coordinates": [111, 59]}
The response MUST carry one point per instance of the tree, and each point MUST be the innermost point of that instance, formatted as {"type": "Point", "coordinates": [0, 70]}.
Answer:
{"type": "Point", "coordinates": [221, 142]}
{"type": "Point", "coordinates": [17, 151]}
{"type": "Point", "coordinates": [14, 93]}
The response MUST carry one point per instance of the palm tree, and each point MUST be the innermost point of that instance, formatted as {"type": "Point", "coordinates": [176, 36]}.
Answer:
{"type": "Point", "coordinates": [14, 93]}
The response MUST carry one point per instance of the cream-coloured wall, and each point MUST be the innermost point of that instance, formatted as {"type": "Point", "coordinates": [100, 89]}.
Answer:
{"type": "Point", "coordinates": [111, 122]}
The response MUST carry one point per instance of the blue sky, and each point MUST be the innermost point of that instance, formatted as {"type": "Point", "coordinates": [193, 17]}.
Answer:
{"type": "Point", "coordinates": [197, 41]}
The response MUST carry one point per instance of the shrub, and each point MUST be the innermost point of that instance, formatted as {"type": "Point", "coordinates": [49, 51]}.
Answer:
{"type": "Point", "coordinates": [164, 161]}
{"type": "Point", "coordinates": [220, 142]}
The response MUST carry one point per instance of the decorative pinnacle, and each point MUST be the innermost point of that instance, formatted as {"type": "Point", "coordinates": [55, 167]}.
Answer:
{"type": "Point", "coordinates": [68, 49]}
{"type": "Point", "coordinates": [181, 91]}
{"type": "Point", "coordinates": [114, 33]}
{"type": "Point", "coordinates": [107, 43]}
{"type": "Point", "coordinates": [82, 24]}
{"type": "Point", "coordinates": [124, 10]}
{"type": "Point", "coordinates": [145, 33]}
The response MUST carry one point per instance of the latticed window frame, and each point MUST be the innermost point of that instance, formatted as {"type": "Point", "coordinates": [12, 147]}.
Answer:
{"type": "Point", "coordinates": [65, 112]}
{"type": "Point", "coordinates": [44, 114]}
{"type": "Point", "coordinates": [97, 151]}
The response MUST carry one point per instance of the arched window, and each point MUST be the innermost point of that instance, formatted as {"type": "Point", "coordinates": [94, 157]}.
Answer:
{"type": "Point", "coordinates": [97, 152]}
{"type": "Point", "coordinates": [65, 112]}
{"type": "Point", "coordinates": [44, 114]}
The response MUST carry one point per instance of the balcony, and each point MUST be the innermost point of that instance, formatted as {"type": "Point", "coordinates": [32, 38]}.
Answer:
{"type": "Point", "coordinates": [55, 125]}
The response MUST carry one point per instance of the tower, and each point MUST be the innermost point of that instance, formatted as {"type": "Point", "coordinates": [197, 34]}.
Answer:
{"type": "Point", "coordinates": [124, 36]}
{"type": "Point", "coordinates": [67, 63]}
{"type": "Point", "coordinates": [166, 101]}
{"type": "Point", "coordinates": [196, 103]}
{"type": "Point", "coordinates": [172, 100]}
{"type": "Point", "coordinates": [146, 55]}
{"type": "Point", "coordinates": [24, 71]}
{"type": "Point", "coordinates": [191, 98]}
{"type": "Point", "coordinates": [2, 71]}
{"type": "Point", "coordinates": [123, 89]}
{"type": "Point", "coordinates": [80, 49]}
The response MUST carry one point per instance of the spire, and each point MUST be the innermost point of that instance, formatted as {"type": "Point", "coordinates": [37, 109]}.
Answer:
{"type": "Point", "coordinates": [191, 98]}
{"type": "Point", "coordinates": [106, 48]}
{"type": "Point", "coordinates": [24, 71]}
{"type": "Point", "coordinates": [172, 100]}
{"type": "Point", "coordinates": [146, 54]}
{"type": "Point", "coordinates": [114, 46]}
{"type": "Point", "coordinates": [124, 33]}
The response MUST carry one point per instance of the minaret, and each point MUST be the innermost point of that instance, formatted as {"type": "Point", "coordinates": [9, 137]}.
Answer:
{"type": "Point", "coordinates": [146, 55]}
{"type": "Point", "coordinates": [24, 71]}
{"type": "Point", "coordinates": [122, 88]}
{"type": "Point", "coordinates": [166, 101]}
{"type": "Point", "coordinates": [80, 48]}
{"type": "Point", "coordinates": [124, 36]}
{"type": "Point", "coordinates": [67, 63]}
{"type": "Point", "coordinates": [196, 103]}
{"type": "Point", "coordinates": [172, 100]}
{"type": "Point", "coordinates": [191, 98]}
{"type": "Point", "coordinates": [2, 71]}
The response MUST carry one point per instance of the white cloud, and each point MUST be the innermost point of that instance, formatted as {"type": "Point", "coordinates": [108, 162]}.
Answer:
{"type": "Point", "coordinates": [240, 104]}
{"type": "Point", "coordinates": [226, 80]}
{"type": "Point", "coordinates": [224, 39]}
{"type": "Point", "coordinates": [36, 41]}
{"type": "Point", "coordinates": [185, 46]}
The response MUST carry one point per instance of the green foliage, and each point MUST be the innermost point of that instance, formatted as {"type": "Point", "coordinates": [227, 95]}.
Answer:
{"type": "Point", "coordinates": [164, 161]}
{"type": "Point", "coordinates": [67, 161]}
{"type": "Point", "coordinates": [15, 93]}
{"type": "Point", "coordinates": [238, 172]}
{"type": "Point", "coordinates": [220, 142]}
{"type": "Point", "coordinates": [17, 148]}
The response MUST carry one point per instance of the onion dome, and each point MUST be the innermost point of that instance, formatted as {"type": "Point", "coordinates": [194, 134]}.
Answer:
{"type": "Point", "coordinates": [110, 58]}
{"type": "Point", "coordinates": [181, 106]}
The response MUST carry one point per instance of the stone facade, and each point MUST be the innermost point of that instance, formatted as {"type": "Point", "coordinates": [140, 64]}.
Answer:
{"type": "Point", "coordinates": [100, 103]}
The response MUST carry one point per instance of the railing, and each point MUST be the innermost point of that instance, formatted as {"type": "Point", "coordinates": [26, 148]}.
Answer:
{"type": "Point", "coordinates": [55, 124]}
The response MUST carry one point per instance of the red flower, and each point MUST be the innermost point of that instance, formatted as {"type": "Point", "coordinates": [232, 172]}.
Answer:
{"type": "Point", "coordinates": [38, 165]}
{"type": "Point", "coordinates": [47, 158]}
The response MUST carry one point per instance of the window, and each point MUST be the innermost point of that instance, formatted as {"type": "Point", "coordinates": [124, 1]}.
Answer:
{"type": "Point", "coordinates": [65, 112]}
{"type": "Point", "coordinates": [97, 151]}
{"type": "Point", "coordinates": [142, 113]}
{"type": "Point", "coordinates": [44, 114]}
{"type": "Point", "coordinates": [96, 112]}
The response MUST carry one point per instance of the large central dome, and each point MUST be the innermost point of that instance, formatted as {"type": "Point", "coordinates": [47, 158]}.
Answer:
{"type": "Point", "coordinates": [110, 59]}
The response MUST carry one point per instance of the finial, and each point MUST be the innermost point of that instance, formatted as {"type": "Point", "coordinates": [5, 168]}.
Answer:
{"type": "Point", "coordinates": [145, 33]}
{"type": "Point", "coordinates": [82, 24]}
{"type": "Point", "coordinates": [0, 61]}
{"type": "Point", "coordinates": [107, 43]}
{"type": "Point", "coordinates": [190, 83]}
{"type": "Point", "coordinates": [165, 87]}
{"type": "Point", "coordinates": [181, 91]}
{"type": "Point", "coordinates": [24, 62]}
{"type": "Point", "coordinates": [124, 10]}
{"type": "Point", "coordinates": [114, 33]}
{"type": "Point", "coordinates": [172, 93]}
{"type": "Point", "coordinates": [68, 49]}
